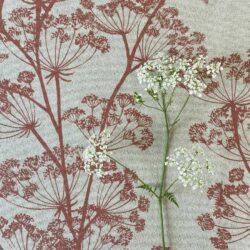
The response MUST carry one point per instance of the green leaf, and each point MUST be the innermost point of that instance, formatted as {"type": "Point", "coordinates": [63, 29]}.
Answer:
{"type": "Point", "coordinates": [171, 197]}
{"type": "Point", "coordinates": [148, 188]}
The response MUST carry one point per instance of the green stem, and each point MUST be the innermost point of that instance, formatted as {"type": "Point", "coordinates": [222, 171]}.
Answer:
{"type": "Point", "coordinates": [172, 184]}
{"type": "Point", "coordinates": [164, 170]}
{"type": "Point", "coordinates": [143, 104]}
{"type": "Point", "coordinates": [171, 97]}
{"type": "Point", "coordinates": [162, 223]}
{"type": "Point", "coordinates": [180, 112]}
{"type": "Point", "coordinates": [168, 129]}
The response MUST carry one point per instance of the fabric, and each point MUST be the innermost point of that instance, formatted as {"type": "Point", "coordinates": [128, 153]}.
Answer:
{"type": "Point", "coordinates": [68, 70]}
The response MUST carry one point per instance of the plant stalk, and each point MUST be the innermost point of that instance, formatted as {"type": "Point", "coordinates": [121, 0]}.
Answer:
{"type": "Point", "coordinates": [164, 170]}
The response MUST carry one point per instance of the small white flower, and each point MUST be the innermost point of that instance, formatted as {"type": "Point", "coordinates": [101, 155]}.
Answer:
{"type": "Point", "coordinates": [213, 69]}
{"type": "Point", "coordinates": [95, 155]}
{"type": "Point", "coordinates": [164, 72]}
{"type": "Point", "coordinates": [192, 166]}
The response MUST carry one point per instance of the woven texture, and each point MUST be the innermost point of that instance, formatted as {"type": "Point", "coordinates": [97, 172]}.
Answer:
{"type": "Point", "coordinates": [67, 71]}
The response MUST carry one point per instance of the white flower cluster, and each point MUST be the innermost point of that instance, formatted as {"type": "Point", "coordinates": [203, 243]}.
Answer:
{"type": "Point", "coordinates": [95, 155]}
{"type": "Point", "coordinates": [214, 69]}
{"type": "Point", "coordinates": [193, 168]}
{"type": "Point", "coordinates": [165, 72]}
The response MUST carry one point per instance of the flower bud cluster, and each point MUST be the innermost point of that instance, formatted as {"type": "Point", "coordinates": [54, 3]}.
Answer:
{"type": "Point", "coordinates": [138, 98]}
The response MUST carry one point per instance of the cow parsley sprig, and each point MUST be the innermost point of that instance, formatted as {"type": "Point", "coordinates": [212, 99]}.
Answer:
{"type": "Point", "coordinates": [193, 168]}
{"type": "Point", "coordinates": [164, 73]}
{"type": "Point", "coordinates": [95, 155]}
{"type": "Point", "coordinates": [163, 76]}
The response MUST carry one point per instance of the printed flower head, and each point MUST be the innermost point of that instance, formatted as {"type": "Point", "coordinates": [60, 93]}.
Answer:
{"type": "Point", "coordinates": [236, 174]}
{"type": "Point", "coordinates": [230, 216]}
{"type": "Point", "coordinates": [127, 126]}
{"type": "Point", "coordinates": [75, 32]}
{"type": "Point", "coordinates": [17, 112]}
{"type": "Point", "coordinates": [225, 133]}
{"type": "Point", "coordinates": [205, 222]}
{"type": "Point", "coordinates": [26, 77]}
{"type": "Point", "coordinates": [232, 85]}
{"type": "Point", "coordinates": [163, 31]}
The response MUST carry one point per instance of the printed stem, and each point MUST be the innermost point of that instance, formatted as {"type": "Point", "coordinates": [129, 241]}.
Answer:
{"type": "Point", "coordinates": [235, 120]}
{"type": "Point", "coordinates": [130, 59]}
{"type": "Point", "coordinates": [115, 92]}
{"type": "Point", "coordinates": [79, 244]}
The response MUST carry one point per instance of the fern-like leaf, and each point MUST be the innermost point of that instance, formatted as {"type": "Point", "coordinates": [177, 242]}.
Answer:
{"type": "Point", "coordinates": [148, 188]}
{"type": "Point", "coordinates": [171, 197]}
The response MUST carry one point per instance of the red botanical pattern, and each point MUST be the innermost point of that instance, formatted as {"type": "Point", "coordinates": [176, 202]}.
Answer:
{"type": "Point", "coordinates": [127, 126]}
{"type": "Point", "coordinates": [227, 127]}
{"type": "Point", "coordinates": [63, 42]}
{"type": "Point", "coordinates": [17, 109]}
{"type": "Point", "coordinates": [232, 84]}
{"type": "Point", "coordinates": [36, 183]}
{"type": "Point", "coordinates": [230, 217]}
{"type": "Point", "coordinates": [157, 29]}
{"type": "Point", "coordinates": [22, 233]}
{"type": "Point", "coordinates": [226, 134]}
{"type": "Point", "coordinates": [50, 47]}
{"type": "Point", "coordinates": [26, 77]}
{"type": "Point", "coordinates": [3, 57]}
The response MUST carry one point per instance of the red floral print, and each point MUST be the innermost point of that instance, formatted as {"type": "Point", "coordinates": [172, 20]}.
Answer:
{"type": "Point", "coordinates": [53, 46]}
{"type": "Point", "coordinates": [163, 31]}
{"type": "Point", "coordinates": [228, 123]}
{"type": "Point", "coordinates": [236, 174]}
{"type": "Point", "coordinates": [205, 222]}
{"type": "Point", "coordinates": [225, 134]}
{"type": "Point", "coordinates": [230, 217]}
{"type": "Point", "coordinates": [127, 126]}
{"type": "Point", "coordinates": [26, 77]}
{"type": "Point", "coordinates": [18, 180]}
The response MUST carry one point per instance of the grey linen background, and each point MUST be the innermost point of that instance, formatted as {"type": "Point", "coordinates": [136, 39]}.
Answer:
{"type": "Point", "coordinates": [226, 24]}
